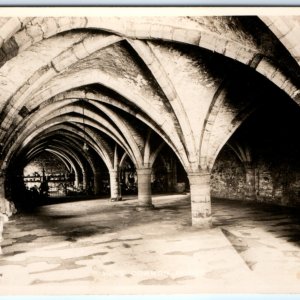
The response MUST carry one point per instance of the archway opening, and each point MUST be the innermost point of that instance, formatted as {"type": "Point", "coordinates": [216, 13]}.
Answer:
{"type": "Point", "coordinates": [260, 162]}
{"type": "Point", "coordinates": [55, 169]}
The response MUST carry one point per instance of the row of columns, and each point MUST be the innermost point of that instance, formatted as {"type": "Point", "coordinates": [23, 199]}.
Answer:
{"type": "Point", "coordinates": [199, 192]}
{"type": "Point", "coordinates": [199, 187]}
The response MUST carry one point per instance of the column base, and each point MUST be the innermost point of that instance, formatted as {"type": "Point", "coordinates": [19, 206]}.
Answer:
{"type": "Point", "coordinates": [116, 199]}
{"type": "Point", "coordinates": [145, 207]}
{"type": "Point", "coordinates": [202, 223]}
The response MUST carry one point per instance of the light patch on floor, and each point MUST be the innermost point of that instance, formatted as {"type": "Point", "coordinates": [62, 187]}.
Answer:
{"type": "Point", "coordinates": [96, 246]}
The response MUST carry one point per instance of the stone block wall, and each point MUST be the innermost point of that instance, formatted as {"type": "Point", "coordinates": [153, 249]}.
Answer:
{"type": "Point", "coordinates": [275, 183]}
{"type": "Point", "coordinates": [49, 162]}
{"type": "Point", "coordinates": [228, 177]}
{"type": "Point", "coordinates": [279, 184]}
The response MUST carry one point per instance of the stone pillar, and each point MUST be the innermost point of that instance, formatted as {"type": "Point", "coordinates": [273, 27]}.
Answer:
{"type": "Point", "coordinates": [2, 193]}
{"type": "Point", "coordinates": [76, 180]}
{"type": "Point", "coordinates": [144, 188]}
{"type": "Point", "coordinates": [5, 207]}
{"type": "Point", "coordinates": [172, 175]}
{"type": "Point", "coordinates": [97, 182]}
{"type": "Point", "coordinates": [84, 180]}
{"type": "Point", "coordinates": [250, 183]}
{"type": "Point", "coordinates": [200, 199]}
{"type": "Point", "coordinates": [115, 193]}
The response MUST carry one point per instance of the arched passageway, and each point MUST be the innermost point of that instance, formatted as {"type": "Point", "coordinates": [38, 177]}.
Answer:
{"type": "Point", "coordinates": [260, 161]}
{"type": "Point", "coordinates": [176, 115]}
{"type": "Point", "coordinates": [107, 97]}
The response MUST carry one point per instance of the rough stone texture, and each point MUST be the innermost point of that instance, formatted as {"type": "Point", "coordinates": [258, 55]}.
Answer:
{"type": "Point", "coordinates": [273, 183]}
{"type": "Point", "coordinates": [278, 184]}
{"type": "Point", "coordinates": [115, 194]}
{"type": "Point", "coordinates": [40, 56]}
{"type": "Point", "coordinates": [195, 78]}
{"type": "Point", "coordinates": [234, 101]}
{"type": "Point", "coordinates": [49, 162]}
{"type": "Point", "coordinates": [287, 30]}
{"type": "Point", "coordinates": [119, 63]}
{"type": "Point", "coordinates": [222, 92]}
{"type": "Point", "coordinates": [250, 191]}
{"type": "Point", "coordinates": [228, 177]}
{"type": "Point", "coordinates": [193, 81]}
{"type": "Point", "coordinates": [113, 59]}
{"type": "Point", "coordinates": [144, 187]}
{"type": "Point", "coordinates": [200, 199]}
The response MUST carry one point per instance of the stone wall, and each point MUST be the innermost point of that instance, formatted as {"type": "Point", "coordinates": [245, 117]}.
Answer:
{"type": "Point", "coordinates": [228, 177]}
{"type": "Point", "coordinates": [276, 182]}
{"type": "Point", "coordinates": [48, 161]}
{"type": "Point", "coordinates": [279, 183]}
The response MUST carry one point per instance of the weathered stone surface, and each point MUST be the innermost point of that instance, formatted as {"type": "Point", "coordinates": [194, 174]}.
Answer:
{"type": "Point", "coordinates": [144, 187]}
{"type": "Point", "coordinates": [192, 80]}
{"type": "Point", "coordinates": [200, 199]}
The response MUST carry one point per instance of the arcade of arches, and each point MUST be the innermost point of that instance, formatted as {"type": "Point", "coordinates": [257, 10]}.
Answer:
{"type": "Point", "coordinates": [116, 106]}
{"type": "Point", "coordinates": [201, 104]}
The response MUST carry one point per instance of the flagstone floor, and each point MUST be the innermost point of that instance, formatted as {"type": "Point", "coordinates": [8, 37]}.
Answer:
{"type": "Point", "coordinates": [101, 247]}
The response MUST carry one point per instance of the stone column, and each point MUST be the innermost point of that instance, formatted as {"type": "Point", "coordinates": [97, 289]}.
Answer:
{"type": "Point", "coordinates": [5, 211]}
{"type": "Point", "coordinates": [144, 188]}
{"type": "Point", "coordinates": [172, 175]}
{"type": "Point", "coordinates": [250, 193]}
{"type": "Point", "coordinates": [200, 199]}
{"type": "Point", "coordinates": [76, 180]}
{"type": "Point", "coordinates": [97, 182]}
{"type": "Point", "coordinates": [5, 205]}
{"type": "Point", "coordinates": [115, 193]}
{"type": "Point", "coordinates": [84, 180]}
{"type": "Point", "coordinates": [2, 193]}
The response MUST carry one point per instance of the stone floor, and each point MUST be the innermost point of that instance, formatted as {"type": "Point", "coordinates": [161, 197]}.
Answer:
{"type": "Point", "coordinates": [100, 247]}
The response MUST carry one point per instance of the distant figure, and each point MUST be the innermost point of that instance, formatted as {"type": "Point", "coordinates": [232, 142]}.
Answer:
{"type": "Point", "coordinates": [7, 209]}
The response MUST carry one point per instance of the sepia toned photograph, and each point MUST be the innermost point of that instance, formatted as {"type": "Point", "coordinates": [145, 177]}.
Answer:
{"type": "Point", "coordinates": [149, 151]}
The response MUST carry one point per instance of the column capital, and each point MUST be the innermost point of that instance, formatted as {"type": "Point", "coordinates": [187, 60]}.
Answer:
{"type": "Point", "coordinates": [144, 171]}
{"type": "Point", "coordinates": [113, 171]}
{"type": "Point", "coordinates": [199, 177]}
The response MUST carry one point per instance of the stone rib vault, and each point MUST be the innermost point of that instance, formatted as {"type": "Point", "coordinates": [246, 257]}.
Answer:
{"type": "Point", "coordinates": [125, 88]}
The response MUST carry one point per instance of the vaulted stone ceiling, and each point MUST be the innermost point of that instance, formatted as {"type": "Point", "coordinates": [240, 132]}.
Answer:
{"type": "Point", "coordinates": [138, 83]}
